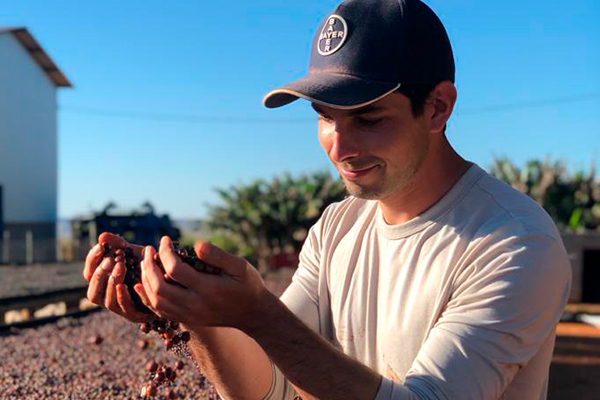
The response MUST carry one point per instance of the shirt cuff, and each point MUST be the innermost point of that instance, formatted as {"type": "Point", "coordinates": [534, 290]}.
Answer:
{"type": "Point", "coordinates": [280, 388]}
{"type": "Point", "coordinates": [390, 390]}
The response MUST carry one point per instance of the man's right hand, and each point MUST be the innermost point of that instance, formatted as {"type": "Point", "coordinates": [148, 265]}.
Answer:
{"type": "Point", "coordinates": [105, 279]}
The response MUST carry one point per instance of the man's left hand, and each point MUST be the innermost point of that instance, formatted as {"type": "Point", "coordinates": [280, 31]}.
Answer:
{"type": "Point", "coordinates": [230, 299]}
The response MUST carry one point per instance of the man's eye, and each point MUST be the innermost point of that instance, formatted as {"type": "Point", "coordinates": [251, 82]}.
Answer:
{"type": "Point", "coordinates": [325, 118]}
{"type": "Point", "coordinates": [369, 121]}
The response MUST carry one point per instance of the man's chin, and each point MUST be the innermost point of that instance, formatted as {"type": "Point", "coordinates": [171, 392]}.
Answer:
{"type": "Point", "coordinates": [362, 192]}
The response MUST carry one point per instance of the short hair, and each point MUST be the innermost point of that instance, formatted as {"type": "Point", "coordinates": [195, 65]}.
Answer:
{"type": "Point", "coordinates": [417, 94]}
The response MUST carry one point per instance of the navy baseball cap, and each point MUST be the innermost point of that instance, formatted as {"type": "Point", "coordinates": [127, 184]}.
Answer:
{"type": "Point", "coordinates": [366, 49]}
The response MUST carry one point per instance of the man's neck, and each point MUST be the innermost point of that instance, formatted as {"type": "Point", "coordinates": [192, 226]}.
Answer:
{"type": "Point", "coordinates": [431, 182]}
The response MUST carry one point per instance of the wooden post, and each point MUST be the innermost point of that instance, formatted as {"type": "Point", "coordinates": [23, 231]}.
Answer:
{"type": "Point", "coordinates": [6, 247]}
{"type": "Point", "coordinates": [29, 247]}
{"type": "Point", "coordinates": [93, 232]}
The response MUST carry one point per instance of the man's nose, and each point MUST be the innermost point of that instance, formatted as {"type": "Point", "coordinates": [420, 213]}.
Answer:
{"type": "Point", "coordinates": [345, 144]}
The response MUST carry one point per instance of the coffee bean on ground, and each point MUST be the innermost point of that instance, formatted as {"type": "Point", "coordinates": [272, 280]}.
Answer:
{"type": "Point", "coordinates": [57, 361]}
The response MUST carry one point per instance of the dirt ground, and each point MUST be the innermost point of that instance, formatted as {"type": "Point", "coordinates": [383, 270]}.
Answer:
{"type": "Point", "coordinates": [575, 369]}
{"type": "Point", "coordinates": [574, 373]}
{"type": "Point", "coordinates": [30, 280]}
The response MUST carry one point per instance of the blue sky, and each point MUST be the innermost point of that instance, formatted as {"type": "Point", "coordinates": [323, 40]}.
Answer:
{"type": "Point", "coordinates": [167, 98]}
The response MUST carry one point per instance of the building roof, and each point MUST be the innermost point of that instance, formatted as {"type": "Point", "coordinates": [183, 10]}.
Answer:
{"type": "Point", "coordinates": [38, 54]}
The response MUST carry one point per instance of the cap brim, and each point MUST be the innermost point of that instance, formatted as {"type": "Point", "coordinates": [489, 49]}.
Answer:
{"type": "Point", "coordinates": [331, 90]}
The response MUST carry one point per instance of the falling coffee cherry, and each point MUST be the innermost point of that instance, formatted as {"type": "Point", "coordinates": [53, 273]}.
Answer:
{"type": "Point", "coordinates": [185, 336]}
{"type": "Point", "coordinates": [159, 377]}
{"type": "Point", "coordinates": [169, 331]}
{"type": "Point", "coordinates": [145, 327]}
{"type": "Point", "coordinates": [149, 390]}
{"type": "Point", "coordinates": [151, 366]}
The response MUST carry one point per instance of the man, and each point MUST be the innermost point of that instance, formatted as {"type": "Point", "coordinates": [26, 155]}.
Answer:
{"type": "Point", "coordinates": [433, 280]}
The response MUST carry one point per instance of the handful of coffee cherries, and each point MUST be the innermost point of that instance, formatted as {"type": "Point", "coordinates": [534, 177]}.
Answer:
{"type": "Point", "coordinates": [174, 338]}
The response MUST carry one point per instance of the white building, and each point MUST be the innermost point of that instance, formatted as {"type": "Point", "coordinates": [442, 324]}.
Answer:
{"type": "Point", "coordinates": [28, 148]}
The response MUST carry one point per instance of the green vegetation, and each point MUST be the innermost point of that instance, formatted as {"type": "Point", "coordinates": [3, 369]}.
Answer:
{"type": "Point", "coordinates": [263, 218]}
{"type": "Point", "coordinates": [572, 200]}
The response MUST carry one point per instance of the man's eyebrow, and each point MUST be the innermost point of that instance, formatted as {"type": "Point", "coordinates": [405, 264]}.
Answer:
{"type": "Point", "coordinates": [367, 110]}
{"type": "Point", "coordinates": [359, 111]}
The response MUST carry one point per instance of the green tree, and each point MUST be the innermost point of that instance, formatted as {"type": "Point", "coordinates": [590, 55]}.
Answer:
{"type": "Point", "coordinates": [264, 218]}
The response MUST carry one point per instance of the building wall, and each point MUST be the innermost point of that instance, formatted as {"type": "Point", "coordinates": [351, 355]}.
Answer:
{"type": "Point", "coordinates": [28, 140]}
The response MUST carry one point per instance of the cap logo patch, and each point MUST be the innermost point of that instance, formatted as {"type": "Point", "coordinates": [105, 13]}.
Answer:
{"type": "Point", "coordinates": [332, 36]}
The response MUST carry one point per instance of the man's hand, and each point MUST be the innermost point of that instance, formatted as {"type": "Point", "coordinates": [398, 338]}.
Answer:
{"type": "Point", "coordinates": [105, 278]}
{"type": "Point", "coordinates": [200, 300]}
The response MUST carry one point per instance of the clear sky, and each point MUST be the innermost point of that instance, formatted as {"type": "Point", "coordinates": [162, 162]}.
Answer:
{"type": "Point", "coordinates": [166, 103]}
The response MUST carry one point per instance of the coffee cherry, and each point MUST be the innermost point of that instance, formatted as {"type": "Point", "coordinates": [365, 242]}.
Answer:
{"type": "Point", "coordinates": [96, 339]}
{"type": "Point", "coordinates": [152, 366]}
{"type": "Point", "coordinates": [145, 327]}
{"type": "Point", "coordinates": [159, 377]}
{"type": "Point", "coordinates": [169, 333]}
{"type": "Point", "coordinates": [149, 390]}
{"type": "Point", "coordinates": [106, 249]}
{"type": "Point", "coordinates": [173, 338]}
{"type": "Point", "coordinates": [142, 344]}
{"type": "Point", "coordinates": [188, 256]}
{"type": "Point", "coordinates": [185, 336]}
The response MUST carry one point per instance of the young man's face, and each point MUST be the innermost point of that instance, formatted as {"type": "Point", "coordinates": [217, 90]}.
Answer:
{"type": "Point", "coordinates": [376, 149]}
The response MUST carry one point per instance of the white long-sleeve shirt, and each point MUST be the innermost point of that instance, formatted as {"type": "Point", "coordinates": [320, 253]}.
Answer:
{"type": "Point", "coordinates": [460, 303]}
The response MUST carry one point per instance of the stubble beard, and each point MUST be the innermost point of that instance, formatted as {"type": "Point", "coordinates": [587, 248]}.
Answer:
{"type": "Point", "coordinates": [392, 184]}
{"type": "Point", "coordinates": [384, 188]}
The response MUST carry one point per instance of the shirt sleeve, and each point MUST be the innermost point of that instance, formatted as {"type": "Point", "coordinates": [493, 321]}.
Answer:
{"type": "Point", "coordinates": [505, 307]}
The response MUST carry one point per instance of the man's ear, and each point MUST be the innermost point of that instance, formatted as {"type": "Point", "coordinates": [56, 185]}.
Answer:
{"type": "Point", "coordinates": [441, 100]}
